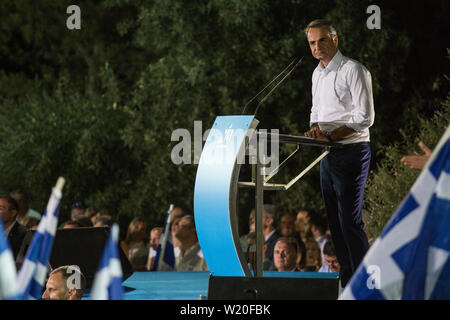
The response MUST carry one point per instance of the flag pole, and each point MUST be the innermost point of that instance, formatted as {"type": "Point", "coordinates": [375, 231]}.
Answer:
{"type": "Point", "coordinates": [60, 183]}
{"type": "Point", "coordinates": [166, 234]}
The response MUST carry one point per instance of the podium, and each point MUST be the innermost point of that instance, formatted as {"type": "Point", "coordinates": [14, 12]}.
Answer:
{"type": "Point", "coordinates": [216, 192]}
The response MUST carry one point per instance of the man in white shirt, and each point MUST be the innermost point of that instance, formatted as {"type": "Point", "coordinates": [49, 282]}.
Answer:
{"type": "Point", "coordinates": [191, 256]}
{"type": "Point", "coordinates": [155, 236]}
{"type": "Point", "coordinates": [24, 210]}
{"type": "Point", "coordinates": [342, 111]}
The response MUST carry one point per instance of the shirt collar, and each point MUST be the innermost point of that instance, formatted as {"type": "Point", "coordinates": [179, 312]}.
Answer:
{"type": "Point", "coordinates": [8, 230]}
{"type": "Point", "coordinates": [269, 235]}
{"type": "Point", "coordinates": [333, 65]}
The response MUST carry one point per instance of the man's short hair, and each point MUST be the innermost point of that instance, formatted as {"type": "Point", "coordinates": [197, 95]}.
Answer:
{"type": "Point", "coordinates": [12, 203]}
{"type": "Point", "coordinates": [269, 211]}
{"type": "Point", "coordinates": [72, 223]}
{"type": "Point", "coordinates": [66, 273]}
{"type": "Point", "coordinates": [190, 218]}
{"type": "Point", "coordinates": [21, 192]}
{"type": "Point", "coordinates": [320, 23]}
{"type": "Point", "coordinates": [319, 222]}
{"type": "Point", "coordinates": [160, 229]}
{"type": "Point", "coordinates": [290, 241]}
{"type": "Point", "coordinates": [104, 220]}
{"type": "Point", "coordinates": [329, 249]}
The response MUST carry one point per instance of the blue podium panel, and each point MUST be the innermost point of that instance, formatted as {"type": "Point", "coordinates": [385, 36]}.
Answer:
{"type": "Point", "coordinates": [215, 185]}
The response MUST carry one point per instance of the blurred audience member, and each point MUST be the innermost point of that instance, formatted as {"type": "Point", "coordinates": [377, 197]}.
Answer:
{"type": "Point", "coordinates": [78, 209]}
{"type": "Point", "coordinates": [103, 221]}
{"type": "Point", "coordinates": [175, 241]}
{"type": "Point", "coordinates": [301, 257]}
{"type": "Point", "coordinates": [71, 224]}
{"type": "Point", "coordinates": [175, 216]}
{"type": "Point", "coordinates": [65, 283]}
{"type": "Point", "coordinates": [319, 226]}
{"type": "Point", "coordinates": [24, 209]}
{"type": "Point", "coordinates": [313, 255]}
{"type": "Point", "coordinates": [136, 241]}
{"type": "Point", "coordinates": [30, 223]}
{"type": "Point", "coordinates": [332, 264]}
{"type": "Point", "coordinates": [79, 221]}
{"type": "Point", "coordinates": [101, 213]}
{"type": "Point", "coordinates": [90, 212]}
{"type": "Point", "coordinates": [14, 231]}
{"type": "Point", "coordinates": [190, 257]}
{"type": "Point", "coordinates": [155, 236]}
{"type": "Point", "coordinates": [302, 224]}
{"type": "Point", "coordinates": [251, 229]}
{"type": "Point", "coordinates": [287, 225]}
{"type": "Point", "coordinates": [270, 234]}
{"type": "Point", "coordinates": [250, 251]}
{"type": "Point", "coordinates": [177, 212]}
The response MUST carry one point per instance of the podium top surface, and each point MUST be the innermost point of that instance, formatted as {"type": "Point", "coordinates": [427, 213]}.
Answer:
{"type": "Point", "coordinates": [299, 140]}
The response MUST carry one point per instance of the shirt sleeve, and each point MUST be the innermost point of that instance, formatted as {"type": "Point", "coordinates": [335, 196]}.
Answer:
{"type": "Point", "coordinates": [360, 84]}
{"type": "Point", "coordinates": [313, 116]}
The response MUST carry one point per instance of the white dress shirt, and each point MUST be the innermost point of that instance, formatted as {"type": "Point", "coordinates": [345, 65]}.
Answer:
{"type": "Point", "coordinates": [342, 95]}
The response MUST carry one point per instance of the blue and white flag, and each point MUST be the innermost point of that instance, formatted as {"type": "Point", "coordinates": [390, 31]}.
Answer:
{"type": "Point", "coordinates": [409, 260]}
{"type": "Point", "coordinates": [34, 269]}
{"type": "Point", "coordinates": [108, 279]}
{"type": "Point", "coordinates": [165, 255]}
{"type": "Point", "coordinates": [8, 275]}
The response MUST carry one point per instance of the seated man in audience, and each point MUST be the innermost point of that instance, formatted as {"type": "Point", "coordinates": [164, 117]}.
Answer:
{"type": "Point", "coordinates": [302, 224]}
{"type": "Point", "coordinates": [65, 283]}
{"type": "Point", "coordinates": [244, 239]}
{"type": "Point", "coordinates": [318, 226]}
{"type": "Point", "coordinates": [270, 234]}
{"type": "Point", "coordinates": [137, 244]}
{"type": "Point", "coordinates": [103, 221]}
{"type": "Point", "coordinates": [285, 254]}
{"type": "Point", "coordinates": [155, 236]}
{"type": "Point", "coordinates": [24, 210]}
{"type": "Point", "coordinates": [78, 222]}
{"type": "Point", "coordinates": [77, 209]}
{"type": "Point", "coordinates": [190, 257]}
{"type": "Point", "coordinates": [330, 257]}
{"type": "Point", "coordinates": [13, 229]}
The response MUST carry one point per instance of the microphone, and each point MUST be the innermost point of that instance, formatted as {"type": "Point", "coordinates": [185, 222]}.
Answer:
{"type": "Point", "coordinates": [296, 61]}
{"type": "Point", "coordinates": [276, 86]}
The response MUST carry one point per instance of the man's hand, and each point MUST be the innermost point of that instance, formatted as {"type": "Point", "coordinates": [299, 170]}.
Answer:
{"type": "Point", "coordinates": [317, 134]}
{"type": "Point", "coordinates": [417, 162]}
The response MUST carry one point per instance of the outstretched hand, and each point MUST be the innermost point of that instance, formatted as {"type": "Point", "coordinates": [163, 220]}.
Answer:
{"type": "Point", "coordinates": [417, 161]}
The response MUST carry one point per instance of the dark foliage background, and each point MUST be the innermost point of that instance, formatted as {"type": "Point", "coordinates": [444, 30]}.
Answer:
{"type": "Point", "coordinates": [98, 105]}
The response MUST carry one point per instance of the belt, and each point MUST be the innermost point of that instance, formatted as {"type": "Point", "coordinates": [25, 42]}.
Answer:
{"type": "Point", "coordinates": [350, 145]}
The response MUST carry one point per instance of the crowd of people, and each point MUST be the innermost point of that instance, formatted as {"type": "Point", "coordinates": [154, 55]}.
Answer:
{"type": "Point", "coordinates": [297, 244]}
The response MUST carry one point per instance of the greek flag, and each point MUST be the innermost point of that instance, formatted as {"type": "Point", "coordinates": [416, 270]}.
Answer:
{"type": "Point", "coordinates": [8, 276]}
{"type": "Point", "coordinates": [108, 279]}
{"type": "Point", "coordinates": [33, 272]}
{"type": "Point", "coordinates": [409, 260]}
{"type": "Point", "coordinates": [165, 256]}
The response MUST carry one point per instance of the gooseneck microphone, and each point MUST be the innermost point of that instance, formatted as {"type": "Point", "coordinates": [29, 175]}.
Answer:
{"type": "Point", "coordinates": [296, 62]}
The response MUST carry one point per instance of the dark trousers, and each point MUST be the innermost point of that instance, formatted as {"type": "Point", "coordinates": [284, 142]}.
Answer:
{"type": "Point", "coordinates": [343, 175]}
